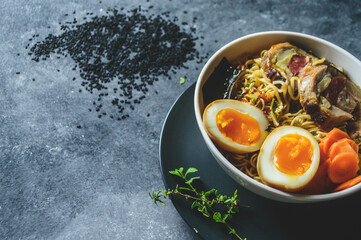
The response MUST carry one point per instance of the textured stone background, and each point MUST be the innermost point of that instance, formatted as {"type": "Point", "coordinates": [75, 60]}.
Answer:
{"type": "Point", "coordinates": [58, 181]}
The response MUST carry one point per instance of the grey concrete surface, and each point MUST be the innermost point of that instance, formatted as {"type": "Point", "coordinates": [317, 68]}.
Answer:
{"type": "Point", "coordinates": [58, 181]}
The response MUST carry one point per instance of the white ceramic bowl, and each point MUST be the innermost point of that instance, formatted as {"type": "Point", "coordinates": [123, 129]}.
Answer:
{"type": "Point", "coordinates": [253, 44]}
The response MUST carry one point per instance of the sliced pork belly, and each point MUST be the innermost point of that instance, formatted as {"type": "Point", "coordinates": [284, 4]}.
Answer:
{"type": "Point", "coordinates": [354, 127]}
{"type": "Point", "coordinates": [285, 59]}
{"type": "Point", "coordinates": [325, 92]}
{"type": "Point", "coordinates": [325, 95]}
{"type": "Point", "coordinates": [346, 101]}
{"type": "Point", "coordinates": [335, 117]}
{"type": "Point", "coordinates": [307, 87]}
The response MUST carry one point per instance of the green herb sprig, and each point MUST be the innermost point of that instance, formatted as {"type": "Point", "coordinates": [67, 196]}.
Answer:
{"type": "Point", "coordinates": [210, 203]}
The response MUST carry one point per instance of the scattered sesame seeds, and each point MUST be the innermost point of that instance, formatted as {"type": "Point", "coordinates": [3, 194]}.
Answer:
{"type": "Point", "coordinates": [131, 47]}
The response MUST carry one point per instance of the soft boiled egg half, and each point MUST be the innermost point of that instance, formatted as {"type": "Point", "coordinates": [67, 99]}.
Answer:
{"type": "Point", "coordinates": [235, 126]}
{"type": "Point", "coordinates": [288, 159]}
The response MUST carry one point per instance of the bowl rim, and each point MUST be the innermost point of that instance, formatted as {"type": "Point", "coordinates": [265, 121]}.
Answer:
{"type": "Point", "coordinates": [256, 185]}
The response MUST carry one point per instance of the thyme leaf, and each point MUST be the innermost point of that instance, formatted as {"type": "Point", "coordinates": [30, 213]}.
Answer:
{"type": "Point", "coordinates": [211, 203]}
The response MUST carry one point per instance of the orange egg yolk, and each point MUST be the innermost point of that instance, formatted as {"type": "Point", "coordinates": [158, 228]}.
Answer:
{"type": "Point", "coordinates": [293, 154]}
{"type": "Point", "coordinates": [238, 127]}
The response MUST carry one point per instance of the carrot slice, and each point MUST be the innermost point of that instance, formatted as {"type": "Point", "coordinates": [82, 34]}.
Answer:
{"type": "Point", "coordinates": [323, 155]}
{"type": "Point", "coordinates": [343, 167]}
{"type": "Point", "coordinates": [320, 183]}
{"type": "Point", "coordinates": [333, 136]}
{"type": "Point", "coordinates": [352, 144]}
{"type": "Point", "coordinates": [348, 184]}
{"type": "Point", "coordinates": [343, 145]}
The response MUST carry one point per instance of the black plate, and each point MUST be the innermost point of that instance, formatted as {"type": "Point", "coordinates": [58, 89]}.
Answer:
{"type": "Point", "coordinates": [182, 145]}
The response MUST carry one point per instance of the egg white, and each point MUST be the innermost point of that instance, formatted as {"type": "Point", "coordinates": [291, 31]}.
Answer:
{"type": "Point", "coordinates": [210, 123]}
{"type": "Point", "coordinates": [268, 172]}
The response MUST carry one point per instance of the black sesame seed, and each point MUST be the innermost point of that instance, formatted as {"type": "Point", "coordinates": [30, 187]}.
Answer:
{"type": "Point", "coordinates": [153, 46]}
